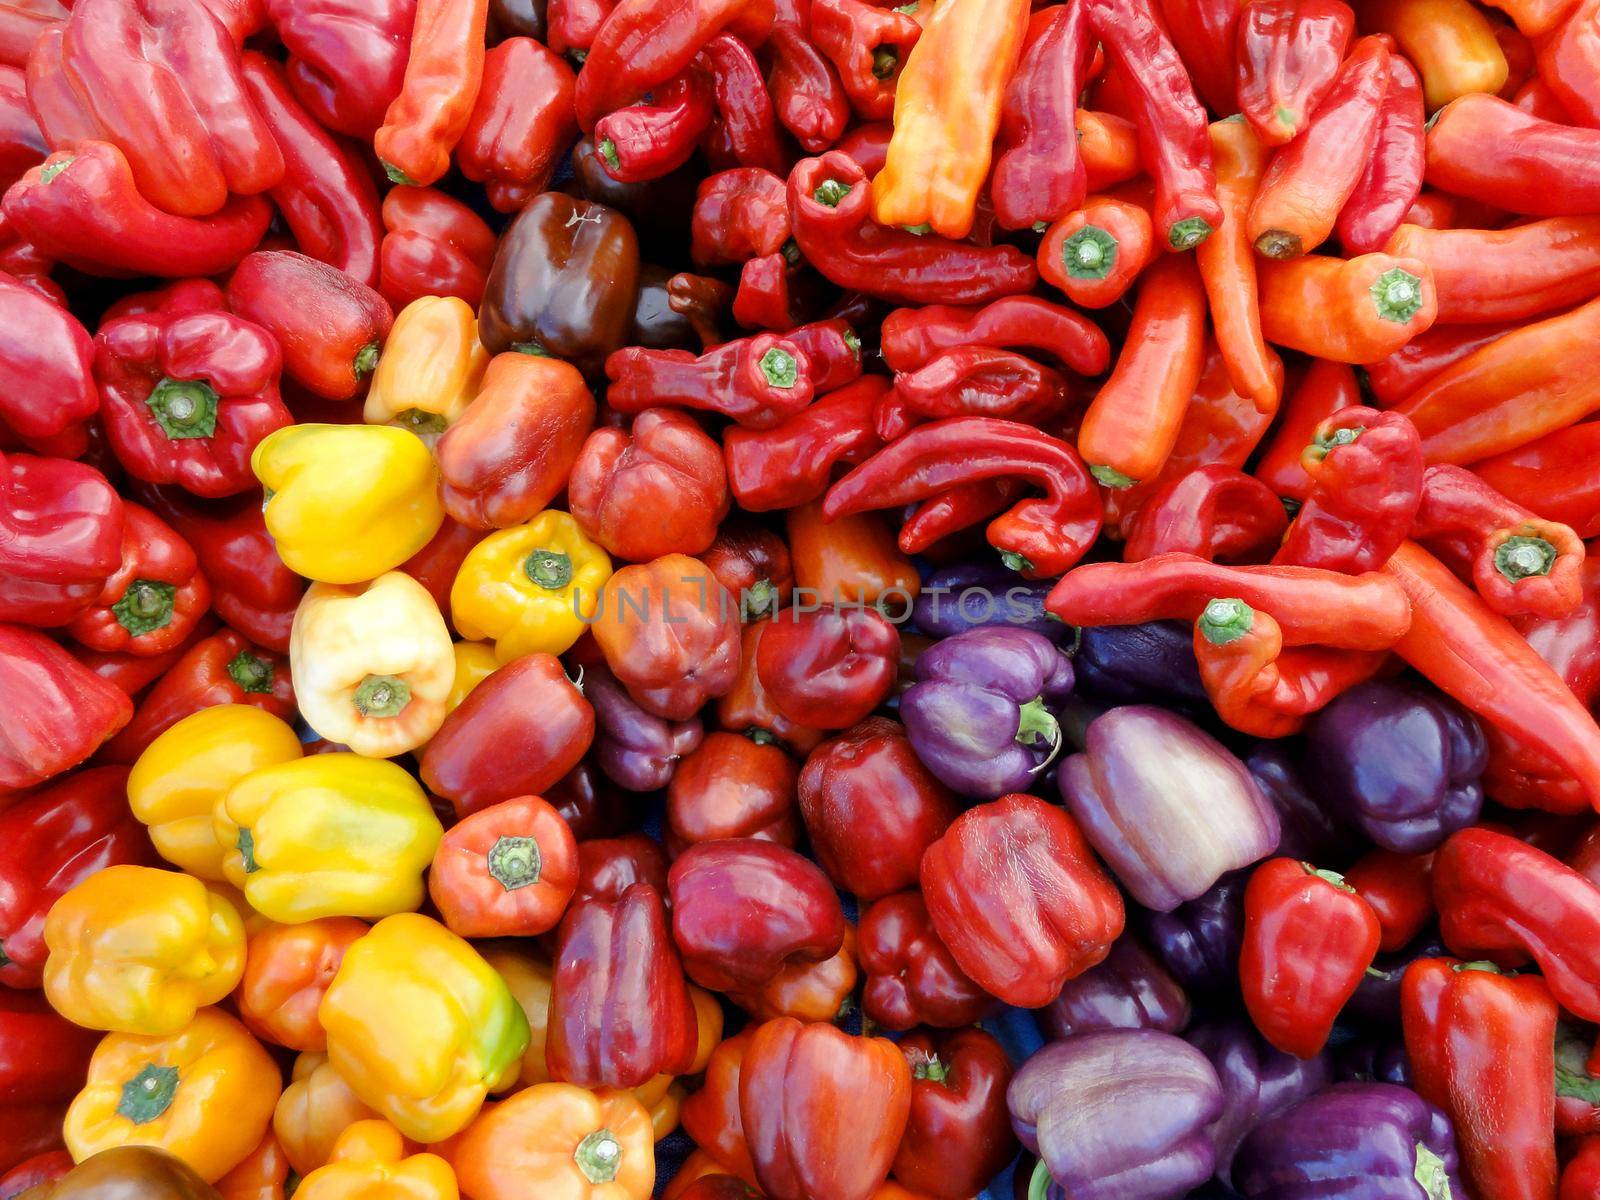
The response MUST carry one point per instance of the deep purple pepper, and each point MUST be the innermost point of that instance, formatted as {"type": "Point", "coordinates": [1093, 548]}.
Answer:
{"type": "Point", "coordinates": [1309, 833]}
{"type": "Point", "coordinates": [1130, 989]}
{"type": "Point", "coordinates": [980, 714]}
{"type": "Point", "coordinates": [1258, 1081]}
{"type": "Point", "coordinates": [1381, 1061]}
{"type": "Point", "coordinates": [1141, 664]}
{"type": "Point", "coordinates": [1399, 762]}
{"type": "Point", "coordinates": [1168, 807]}
{"type": "Point", "coordinates": [637, 750]}
{"type": "Point", "coordinates": [1199, 940]}
{"type": "Point", "coordinates": [1118, 1114]}
{"type": "Point", "coordinates": [967, 596]}
{"type": "Point", "coordinates": [1377, 997]}
{"type": "Point", "coordinates": [1352, 1141]}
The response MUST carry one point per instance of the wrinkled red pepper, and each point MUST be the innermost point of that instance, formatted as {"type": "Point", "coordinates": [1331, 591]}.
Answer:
{"type": "Point", "coordinates": [347, 58]}
{"type": "Point", "coordinates": [912, 336]}
{"type": "Point", "coordinates": [912, 978]}
{"type": "Point", "coordinates": [758, 381]}
{"type": "Point", "coordinates": [793, 462]}
{"type": "Point", "coordinates": [60, 711]}
{"type": "Point", "coordinates": [433, 245]}
{"type": "Point", "coordinates": [1215, 511]}
{"type": "Point", "coordinates": [1289, 55]}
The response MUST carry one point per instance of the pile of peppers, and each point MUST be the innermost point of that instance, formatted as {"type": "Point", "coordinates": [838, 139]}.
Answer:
{"type": "Point", "coordinates": [799, 599]}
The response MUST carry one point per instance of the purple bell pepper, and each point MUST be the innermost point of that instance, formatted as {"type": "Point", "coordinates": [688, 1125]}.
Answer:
{"type": "Point", "coordinates": [1258, 1082]}
{"type": "Point", "coordinates": [979, 715]}
{"type": "Point", "coordinates": [1141, 664]}
{"type": "Point", "coordinates": [1352, 1141]}
{"type": "Point", "coordinates": [1118, 1114]}
{"type": "Point", "coordinates": [1383, 1061]}
{"type": "Point", "coordinates": [967, 596]}
{"type": "Point", "coordinates": [1399, 762]}
{"type": "Point", "coordinates": [1377, 998]}
{"type": "Point", "coordinates": [637, 750]}
{"type": "Point", "coordinates": [1199, 941]}
{"type": "Point", "coordinates": [1130, 989]}
{"type": "Point", "coordinates": [1169, 808]}
{"type": "Point", "coordinates": [1309, 832]}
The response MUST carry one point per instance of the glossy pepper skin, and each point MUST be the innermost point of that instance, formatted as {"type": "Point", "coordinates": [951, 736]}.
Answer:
{"type": "Point", "coordinates": [62, 541]}
{"type": "Point", "coordinates": [911, 977]}
{"type": "Point", "coordinates": [912, 337]}
{"type": "Point", "coordinates": [433, 245]}
{"type": "Point", "coordinates": [48, 360]}
{"type": "Point", "coordinates": [505, 871]}
{"type": "Point", "coordinates": [1129, 990]}
{"type": "Point", "coordinates": [649, 141]}
{"type": "Point", "coordinates": [638, 751]}
{"type": "Point", "coordinates": [421, 1027]}
{"type": "Point", "coordinates": [204, 1093]}
{"type": "Point", "coordinates": [1214, 511]}
{"type": "Point", "coordinates": [137, 950]}
{"type": "Point", "coordinates": [1424, 786]}
{"type": "Point", "coordinates": [314, 1109]}
{"type": "Point", "coordinates": [70, 710]}
{"type": "Point", "coordinates": [370, 1158]}
{"type": "Point", "coordinates": [749, 132]}
{"type": "Point", "coordinates": [828, 211]}
{"type": "Point", "coordinates": [805, 1139]}
{"type": "Point", "coordinates": [793, 462]}
{"type": "Point", "coordinates": [958, 1133]}
{"type": "Point", "coordinates": [1016, 895]}
{"type": "Point", "coordinates": [670, 633]}
{"type": "Point", "coordinates": [333, 835]}
{"type": "Point", "coordinates": [52, 841]}
{"type": "Point", "coordinates": [1488, 149]}
{"type": "Point", "coordinates": [1290, 52]}
{"type": "Point", "coordinates": [443, 74]}
{"type": "Point", "coordinates": [620, 1012]}
{"type": "Point", "coordinates": [1393, 178]}
{"type": "Point", "coordinates": [743, 909]}
{"type": "Point", "coordinates": [430, 369]}
{"type": "Point", "coordinates": [154, 599]}
{"type": "Point", "coordinates": [346, 59]}
{"type": "Point", "coordinates": [379, 509]}
{"type": "Point", "coordinates": [287, 971]}
{"type": "Point", "coordinates": [528, 718]}
{"type": "Point", "coordinates": [1358, 1138]}
{"type": "Point", "coordinates": [81, 206]}
{"type": "Point", "coordinates": [564, 280]}
{"type": "Point", "coordinates": [143, 1171]}
{"type": "Point", "coordinates": [189, 391]}
{"type": "Point", "coordinates": [521, 124]}
{"type": "Point", "coordinates": [759, 381]}
{"type": "Point", "coordinates": [1167, 837]}
{"type": "Point", "coordinates": [1038, 172]}
{"type": "Point", "coordinates": [329, 326]}
{"type": "Point", "coordinates": [46, 1058]}
{"type": "Point", "coordinates": [807, 94]}
{"type": "Point", "coordinates": [1143, 1099]}
{"type": "Point", "coordinates": [731, 785]}
{"type": "Point", "coordinates": [827, 669]}
{"type": "Point", "coordinates": [1481, 1045]}
{"type": "Point", "coordinates": [509, 452]}
{"type": "Point", "coordinates": [177, 73]}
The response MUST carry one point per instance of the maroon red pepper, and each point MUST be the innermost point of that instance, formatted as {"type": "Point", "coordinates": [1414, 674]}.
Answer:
{"type": "Point", "coordinates": [912, 978]}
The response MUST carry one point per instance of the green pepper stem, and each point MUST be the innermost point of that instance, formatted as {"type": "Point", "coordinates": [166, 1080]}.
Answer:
{"type": "Point", "coordinates": [1520, 557]}
{"type": "Point", "coordinates": [515, 862]}
{"type": "Point", "coordinates": [1090, 253]}
{"type": "Point", "coordinates": [549, 569]}
{"type": "Point", "coordinates": [1397, 295]}
{"type": "Point", "coordinates": [148, 1094]}
{"type": "Point", "coordinates": [382, 696]}
{"type": "Point", "coordinates": [1039, 1183]}
{"type": "Point", "coordinates": [599, 1156]}
{"type": "Point", "coordinates": [780, 368]}
{"type": "Point", "coordinates": [251, 672]}
{"type": "Point", "coordinates": [366, 361]}
{"type": "Point", "coordinates": [1225, 620]}
{"type": "Point", "coordinates": [146, 606]}
{"type": "Point", "coordinates": [184, 408]}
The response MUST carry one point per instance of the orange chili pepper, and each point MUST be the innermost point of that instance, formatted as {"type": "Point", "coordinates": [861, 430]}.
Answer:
{"type": "Point", "coordinates": [1506, 274]}
{"type": "Point", "coordinates": [1227, 264]}
{"type": "Point", "coordinates": [1095, 252]}
{"type": "Point", "coordinates": [1109, 147]}
{"type": "Point", "coordinates": [426, 120]}
{"type": "Point", "coordinates": [1132, 424]}
{"type": "Point", "coordinates": [946, 111]}
{"type": "Point", "coordinates": [851, 560]}
{"type": "Point", "coordinates": [1350, 310]}
{"type": "Point", "coordinates": [1325, 388]}
{"type": "Point", "coordinates": [1450, 42]}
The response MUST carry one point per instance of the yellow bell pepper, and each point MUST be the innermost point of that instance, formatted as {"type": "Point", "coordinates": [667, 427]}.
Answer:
{"type": "Point", "coordinates": [370, 1163]}
{"type": "Point", "coordinates": [421, 1027]}
{"type": "Point", "coordinates": [345, 503]}
{"type": "Point", "coordinates": [475, 662]}
{"type": "Point", "coordinates": [179, 778]}
{"type": "Point", "coordinates": [560, 1142]}
{"type": "Point", "coordinates": [530, 588]}
{"type": "Point", "coordinates": [372, 664]}
{"type": "Point", "coordinates": [204, 1093]}
{"type": "Point", "coordinates": [333, 835]}
{"type": "Point", "coordinates": [313, 1111]}
{"type": "Point", "coordinates": [137, 950]}
{"type": "Point", "coordinates": [665, 1112]}
{"type": "Point", "coordinates": [430, 370]}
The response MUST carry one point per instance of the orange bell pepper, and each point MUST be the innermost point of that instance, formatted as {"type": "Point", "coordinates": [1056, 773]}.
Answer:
{"type": "Point", "coordinates": [1450, 42]}
{"type": "Point", "coordinates": [443, 75]}
{"type": "Point", "coordinates": [316, 1107]}
{"type": "Point", "coordinates": [370, 1162]}
{"type": "Point", "coordinates": [1095, 252]}
{"type": "Point", "coordinates": [852, 560]}
{"type": "Point", "coordinates": [1354, 310]}
{"type": "Point", "coordinates": [946, 112]}
{"type": "Point", "coordinates": [1535, 18]}
{"type": "Point", "coordinates": [808, 991]}
{"type": "Point", "coordinates": [287, 970]}
{"type": "Point", "coordinates": [560, 1142]}
{"type": "Point", "coordinates": [261, 1176]}
{"type": "Point", "coordinates": [711, 1114]}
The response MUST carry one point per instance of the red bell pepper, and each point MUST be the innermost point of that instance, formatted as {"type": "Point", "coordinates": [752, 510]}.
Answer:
{"type": "Point", "coordinates": [733, 785]}
{"type": "Point", "coordinates": [505, 871]}
{"type": "Point", "coordinates": [648, 141]}
{"type": "Point", "coordinates": [829, 209]}
{"type": "Point", "coordinates": [1398, 888]}
{"type": "Point", "coordinates": [823, 1112]}
{"type": "Point", "coordinates": [807, 94]}
{"type": "Point", "coordinates": [44, 1060]}
{"type": "Point", "coordinates": [1290, 52]}
{"type": "Point", "coordinates": [572, 25]}
{"type": "Point", "coordinates": [912, 337]}
{"type": "Point", "coordinates": [22, 145]}
{"type": "Point", "coordinates": [21, 23]}
{"type": "Point", "coordinates": [793, 462]}
{"type": "Point", "coordinates": [912, 978]}
{"type": "Point", "coordinates": [1497, 894]}
{"type": "Point", "coordinates": [758, 381]}
{"type": "Point", "coordinates": [433, 246]}
{"type": "Point", "coordinates": [47, 392]}
{"type": "Point", "coordinates": [1580, 1178]}
{"type": "Point", "coordinates": [155, 597]}
{"type": "Point", "coordinates": [50, 842]}
{"type": "Point", "coordinates": [1040, 537]}
{"type": "Point", "coordinates": [1216, 512]}
{"type": "Point", "coordinates": [221, 669]}
{"type": "Point", "coordinates": [443, 74]}
{"type": "Point", "coordinates": [82, 207]}
{"type": "Point", "coordinates": [620, 1012]}
{"type": "Point", "coordinates": [958, 1135]}
{"type": "Point", "coordinates": [347, 58]}
{"type": "Point", "coordinates": [1308, 940]}
{"type": "Point", "coordinates": [59, 711]}
{"type": "Point", "coordinates": [1326, 388]}
{"type": "Point", "coordinates": [522, 123]}
{"type": "Point", "coordinates": [162, 82]}
{"type": "Point", "coordinates": [739, 214]}
{"type": "Point", "coordinates": [251, 589]}
{"type": "Point", "coordinates": [1366, 485]}
{"type": "Point", "coordinates": [866, 44]}
{"type": "Point", "coordinates": [188, 389]}
{"type": "Point", "coordinates": [1552, 476]}
{"type": "Point", "coordinates": [744, 909]}
{"type": "Point", "coordinates": [607, 867]}
{"type": "Point", "coordinates": [60, 538]}
{"type": "Point", "coordinates": [1019, 898]}
{"type": "Point", "coordinates": [326, 195]}
{"type": "Point", "coordinates": [828, 667]}
{"type": "Point", "coordinates": [329, 326]}
{"type": "Point", "coordinates": [664, 465]}
{"type": "Point", "coordinates": [26, 263]}
{"type": "Point", "coordinates": [1482, 1047]}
